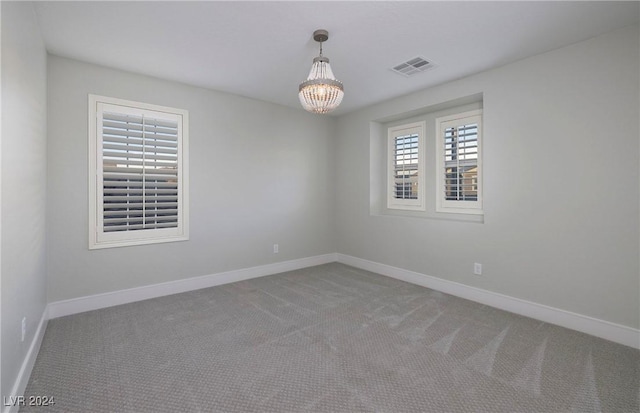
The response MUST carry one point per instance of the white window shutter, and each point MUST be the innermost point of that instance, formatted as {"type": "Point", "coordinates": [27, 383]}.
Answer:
{"type": "Point", "coordinates": [459, 163]}
{"type": "Point", "coordinates": [140, 174]}
{"type": "Point", "coordinates": [406, 167]}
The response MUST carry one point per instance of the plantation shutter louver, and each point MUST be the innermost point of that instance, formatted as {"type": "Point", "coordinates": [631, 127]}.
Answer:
{"type": "Point", "coordinates": [461, 163]}
{"type": "Point", "coordinates": [139, 172]}
{"type": "Point", "coordinates": [406, 167]}
{"type": "Point", "coordinates": [460, 169]}
{"type": "Point", "coordinates": [139, 175]}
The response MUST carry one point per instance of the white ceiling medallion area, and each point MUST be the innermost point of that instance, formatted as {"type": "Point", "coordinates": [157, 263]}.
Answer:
{"type": "Point", "coordinates": [212, 44]}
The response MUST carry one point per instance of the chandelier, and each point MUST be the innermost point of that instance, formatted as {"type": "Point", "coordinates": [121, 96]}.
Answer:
{"type": "Point", "coordinates": [321, 92]}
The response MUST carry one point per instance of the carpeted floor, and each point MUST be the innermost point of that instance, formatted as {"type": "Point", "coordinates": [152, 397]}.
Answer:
{"type": "Point", "coordinates": [330, 338]}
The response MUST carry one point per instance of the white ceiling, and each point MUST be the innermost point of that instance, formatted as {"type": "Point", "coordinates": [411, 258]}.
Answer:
{"type": "Point", "coordinates": [263, 50]}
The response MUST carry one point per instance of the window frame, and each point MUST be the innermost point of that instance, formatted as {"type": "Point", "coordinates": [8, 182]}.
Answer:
{"type": "Point", "coordinates": [392, 133]}
{"type": "Point", "coordinates": [98, 238]}
{"type": "Point", "coordinates": [450, 206]}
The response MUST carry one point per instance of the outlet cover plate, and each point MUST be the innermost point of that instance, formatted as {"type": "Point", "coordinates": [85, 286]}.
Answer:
{"type": "Point", "coordinates": [477, 268]}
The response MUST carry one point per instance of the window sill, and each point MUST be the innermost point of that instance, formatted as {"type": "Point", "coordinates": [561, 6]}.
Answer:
{"type": "Point", "coordinates": [440, 216]}
{"type": "Point", "coordinates": [130, 243]}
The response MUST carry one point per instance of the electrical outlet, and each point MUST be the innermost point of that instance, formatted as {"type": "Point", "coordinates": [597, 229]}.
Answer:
{"type": "Point", "coordinates": [275, 248]}
{"type": "Point", "coordinates": [477, 268]}
{"type": "Point", "coordinates": [24, 328]}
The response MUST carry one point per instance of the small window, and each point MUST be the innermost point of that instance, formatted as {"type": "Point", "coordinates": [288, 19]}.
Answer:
{"type": "Point", "coordinates": [459, 163]}
{"type": "Point", "coordinates": [138, 182]}
{"type": "Point", "coordinates": [406, 167]}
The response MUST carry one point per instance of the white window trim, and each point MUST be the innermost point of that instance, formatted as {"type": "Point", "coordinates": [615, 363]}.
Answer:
{"type": "Point", "coordinates": [458, 207]}
{"type": "Point", "coordinates": [406, 204]}
{"type": "Point", "coordinates": [98, 239]}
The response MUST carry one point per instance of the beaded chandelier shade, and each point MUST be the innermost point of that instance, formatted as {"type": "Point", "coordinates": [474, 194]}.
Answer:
{"type": "Point", "coordinates": [321, 92]}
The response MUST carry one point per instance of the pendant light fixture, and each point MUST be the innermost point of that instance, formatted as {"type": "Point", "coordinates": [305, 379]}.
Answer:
{"type": "Point", "coordinates": [321, 92]}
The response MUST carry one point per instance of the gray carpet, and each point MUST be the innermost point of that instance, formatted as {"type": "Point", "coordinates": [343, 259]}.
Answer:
{"type": "Point", "coordinates": [330, 338]}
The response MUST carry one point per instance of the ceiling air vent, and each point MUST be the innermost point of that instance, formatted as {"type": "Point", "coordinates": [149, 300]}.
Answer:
{"type": "Point", "coordinates": [412, 66]}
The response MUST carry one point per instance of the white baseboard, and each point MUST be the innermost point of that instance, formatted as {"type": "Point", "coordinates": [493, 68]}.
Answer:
{"type": "Point", "coordinates": [97, 301]}
{"type": "Point", "coordinates": [22, 379]}
{"type": "Point", "coordinates": [589, 325]}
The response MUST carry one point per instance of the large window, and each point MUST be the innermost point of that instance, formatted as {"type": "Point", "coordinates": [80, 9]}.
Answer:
{"type": "Point", "coordinates": [459, 163]}
{"type": "Point", "coordinates": [138, 173]}
{"type": "Point", "coordinates": [405, 175]}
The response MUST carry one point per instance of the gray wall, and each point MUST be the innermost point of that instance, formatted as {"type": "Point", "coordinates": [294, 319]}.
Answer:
{"type": "Point", "coordinates": [561, 186]}
{"type": "Point", "coordinates": [259, 174]}
{"type": "Point", "coordinates": [24, 162]}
